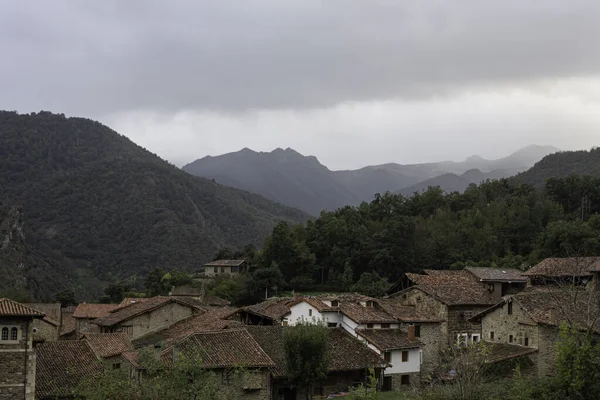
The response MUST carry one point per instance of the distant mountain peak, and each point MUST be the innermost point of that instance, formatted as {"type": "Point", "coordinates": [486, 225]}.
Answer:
{"type": "Point", "coordinates": [474, 158]}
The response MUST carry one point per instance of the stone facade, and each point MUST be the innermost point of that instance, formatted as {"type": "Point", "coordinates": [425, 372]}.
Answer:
{"type": "Point", "coordinates": [17, 360]}
{"type": "Point", "coordinates": [45, 331]}
{"type": "Point", "coordinates": [433, 337]}
{"type": "Point", "coordinates": [401, 382]}
{"type": "Point", "coordinates": [84, 325]}
{"type": "Point", "coordinates": [459, 324]}
{"type": "Point", "coordinates": [252, 384]}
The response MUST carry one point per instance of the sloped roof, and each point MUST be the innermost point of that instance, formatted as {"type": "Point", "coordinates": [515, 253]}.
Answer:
{"type": "Point", "coordinates": [90, 310]}
{"type": "Point", "coordinates": [345, 352]}
{"type": "Point", "coordinates": [51, 310]}
{"type": "Point", "coordinates": [563, 267]}
{"type": "Point", "coordinates": [223, 349]}
{"type": "Point", "coordinates": [62, 365]}
{"type": "Point", "coordinates": [486, 274]}
{"type": "Point", "coordinates": [452, 288]}
{"type": "Point", "coordinates": [274, 308]}
{"type": "Point", "coordinates": [127, 301]}
{"type": "Point", "coordinates": [136, 309]}
{"type": "Point", "coordinates": [502, 351]}
{"type": "Point", "coordinates": [313, 301]}
{"type": "Point", "coordinates": [403, 313]}
{"type": "Point", "coordinates": [210, 320]}
{"type": "Point", "coordinates": [388, 339]}
{"type": "Point", "coordinates": [223, 263]}
{"type": "Point", "coordinates": [366, 315]}
{"type": "Point", "coordinates": [107, 345]}
{"type": "Point", "coordinates": [9, 308]}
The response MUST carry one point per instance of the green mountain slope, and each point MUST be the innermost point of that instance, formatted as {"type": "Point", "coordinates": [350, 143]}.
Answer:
{"type": "Point", "coordinates": [563, 164]}
{"type": "Point", "coordinates": [99, 204]}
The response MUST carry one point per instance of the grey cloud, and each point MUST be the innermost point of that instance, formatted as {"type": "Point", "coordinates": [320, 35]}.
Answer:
{"type": "Point", "coordinates": [102, 57]}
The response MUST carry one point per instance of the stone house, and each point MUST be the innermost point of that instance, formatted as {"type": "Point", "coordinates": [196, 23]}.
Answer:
{"type": "Point", "coordinates": [115, 350]}
{"type": "Point", "coordinates": [500, 281]}
{"type": "Point", "coordinates": [579, 271]}
{"type": "Point", "coordinates": [67, 323]}
{"type": "Point", "coordinates": [241, 366]}
{"type": "Point", "coordinates": [17, 353]}
{"type": "Point", "coordinates": [47, 328]}
{"type": "Point", "coordinates": [350, 361]}
{"type": "Point", "coordinates": [452, 297]}
{"type": "Point", "coordinates": [139, 319]}
{"type": "Point", "coordinates": [530, 321]}
{"type": "Point", "coordinates": [225, 267]}
{"type": "Point", "coordinates": [272, 311]}
{"type": "Point", "coordinates": [85, 313]}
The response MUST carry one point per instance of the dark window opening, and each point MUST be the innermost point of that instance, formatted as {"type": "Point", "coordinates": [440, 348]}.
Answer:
{"type": "Point", "coordinates": [14, 334]}
{"type": "Point", "coordinates": [405, 356]}
{"type": "Point", "coordinates": [510, 338]}
{"type": "Point", "coordinates": [116, 365]}
{"type": "Point", "coordinates": [335, 303]}
{"type": "Point", "coordinates": [387, 383]}
{"type": "Point", "coordinates": [526, 341]}
{"type": "Point", "coordinates": [385, 326]}
{"type": "Point", "coordinates": [405, 380]}
{"type": "Point", "coordinates": [417, 330]}
{"type": "Point", "coordinates": [4, 333]}
{"type": "Point", "coordinates": [510, 308]}
{"type": "Point", "coordinates": [332, 324]}
{"type": "Point", "coordinates": [310, 313]}
{"type": "Point", "coordinates": [387, 356]}
{"type": "Point", "coordinates": [492, 335]}
{"type": "Point", "coordinates": [370, 326]}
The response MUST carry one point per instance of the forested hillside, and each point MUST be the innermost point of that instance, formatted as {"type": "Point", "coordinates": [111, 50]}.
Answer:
{"type": "Point", "coordinates": [563, 164]}
{"type": "Point", "coordinates": [499, 223]}
{"type": "Point", "coordinates": [98, 204]}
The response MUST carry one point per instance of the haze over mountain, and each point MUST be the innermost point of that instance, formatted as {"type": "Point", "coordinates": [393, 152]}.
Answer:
{"type": "Point", "coordinates": [303, 182]}
{"type": "Point", "coordinates": [99, 204]}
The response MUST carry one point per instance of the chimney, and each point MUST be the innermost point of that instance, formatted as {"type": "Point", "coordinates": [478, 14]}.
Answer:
{"type": "Point", "coordinates": [411, 333]}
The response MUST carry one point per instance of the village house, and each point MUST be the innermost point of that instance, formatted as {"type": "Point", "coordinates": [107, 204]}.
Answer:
{"type": "Point", "coordinates": [350, 361]}
{"type": "Point", "coordinates": [241, 366]}
{"type": "Point", "coordinates": [116, 350]}
{"type": "Point", "coordinates": [528, 323]}
{"type": "Point", "coordinates": [17, 353]}
{"type": "Point", "coordinates": [67, 323]}
{"type": "Point", "coordinates": [452, 297]}
{"type": "Point", "coordinates": [141, 318]}
{"type": "Point", "coordinates": [578, 271]}
{"type": "Point", "coordinates": [85, 313]}
{"type": "Point", "coordinates": [47, 328]}
{"type": "Point", "coordinates": [499, 281]}
{"type": "Point", "coordinates": [224, 267]}
{"type": "Point", "coordinates": [272, 311]}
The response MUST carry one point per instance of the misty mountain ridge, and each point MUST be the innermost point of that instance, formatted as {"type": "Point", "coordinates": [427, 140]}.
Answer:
{"type": "Point", "coordinates": [288, 177]}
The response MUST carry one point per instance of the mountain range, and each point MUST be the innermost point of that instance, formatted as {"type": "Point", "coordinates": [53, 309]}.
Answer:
{"type": "Point", "coordinates": [99, 205]}
{"type": "Point", "coordinates": [290, 178]}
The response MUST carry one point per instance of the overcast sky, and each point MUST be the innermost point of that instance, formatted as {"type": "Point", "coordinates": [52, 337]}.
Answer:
{"type": "Point", "coordinates": [351, 82]}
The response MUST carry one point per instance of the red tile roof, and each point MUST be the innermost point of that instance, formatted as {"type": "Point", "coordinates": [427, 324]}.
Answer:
{"type": "Point", "coordinates": [501, 351]}
{"type": "Point", "coordinates": [9, 308]}
{"type": "Point", "coordinates": [91, 310]}
{"type": "Point", "coordinates": [124, 314]}
{"type": "Point", "coordinates": [275, 308]}
{"type": "Point", "coordinates": [109, 344]}
{"type": "Point", "coordinates": [127, 301]}
{"type": "Point", "coordinates": [497, 274]}
{"type": "Point", "coordinates": [223, 349]}
{"type": "Point", "coordinates": [62, 365]}
{"type": "Point", "coordinates": [564, 267]}
{"type": "Point", "coordinates": [388, 339]}
{"type": "Point", "coordinates": [366, 315]}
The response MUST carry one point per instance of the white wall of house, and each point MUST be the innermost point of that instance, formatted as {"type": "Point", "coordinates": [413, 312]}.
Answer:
{"type": "Point", "coordinates": [306, 312]}
{"type": "Point", "coordinates": [349, 325]}
{"type": "Point", "coordinates": [398, 367]}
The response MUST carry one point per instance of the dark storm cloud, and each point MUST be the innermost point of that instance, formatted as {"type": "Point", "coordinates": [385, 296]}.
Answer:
{"type": "Point", "coordinates": [101, 57]}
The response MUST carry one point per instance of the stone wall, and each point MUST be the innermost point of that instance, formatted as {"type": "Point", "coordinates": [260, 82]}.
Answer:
{"type": "Point", "coordinates": [161, 317]}
{"type": "Point", "coordinates": [17, 362]}
{"type": "Point", "coordinates": [83, 326]}
{"type": "Point", "coordinates": [43, 330]}
{"type": "Point", "coordinates": [547, 339]}
{"type": "Point", "coordinates": [249, 385]}
{"type": "Point", "coordinates": [458, 321]}
{"type": "Point", "coordinates": [414, 379]}
{"type": "Point", "coordinates": [433, 337]}
{"type": "Point", "coordinates": [503, 325]}
{"type": "Point", "coordinates": [424, 304]}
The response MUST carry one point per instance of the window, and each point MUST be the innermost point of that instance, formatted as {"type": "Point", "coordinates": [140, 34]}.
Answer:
{"type": "Point", "coordinates": [405, 380]}
{"type": "Point", "coordinates": [510, 338]}
{"type": "Point", "coordinates": [4, 333]}
{"type": "Point", "coordinates": [526, 341]}
{"type": "Point", "coordinates": [405, 356]}
{"type": "Point", "coordinates": [369, 303]}
{"type": "Point", "coordinates": [14, 333]}
{"type": "Point", "coordinates": [420, 356]}
{"type": "Point", "coordinates": [234, 270]}
{"type": "Point", "coordinates": [310, 312]}
{"type": "Point", "coordinates": [417, 330]}
{"type": "Point", "coordinates": [491, 335]}
{"type": "Point", "coordinates": [461, 339]}
{"type": "Point", "coordinates": [461, 316]}
{"type": "Point", "coordinates": [385, 326]}
{"type": "Point", "coordinates": [332, 325]}
{"type": "Point", "coordinates": [387, 356]}
{"type": "Point", "coordinates": [370, 326]}
{"type": "Point", "coordinates": [510, 308]}
{"type": "Point", "coordinates": [226, 377]}
{"type": "Point", "coordinates": [222, 270]}
{"type": "Point", "coordinates": [475, 338]}
{"type": "Point", "coordinates": [117, 366]}
{"type": "Point", "coordinates": [335, 303]}
{"type": "Point", "coordinates": [284, 322]}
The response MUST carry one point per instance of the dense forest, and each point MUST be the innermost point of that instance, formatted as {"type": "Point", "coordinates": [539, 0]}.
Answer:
{"type": "Point", "coordinates": [562, 164]}
{"type": "Point", "coordinates": [101, 206]}
{"type": "Point", "coordinates": [498, 223]}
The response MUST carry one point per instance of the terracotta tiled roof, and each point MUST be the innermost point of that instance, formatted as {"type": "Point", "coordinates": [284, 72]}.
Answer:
{"type": "Point", "coordinates": [497, 274]}
{"type": "Point", "coordinates": [51, 311]}
{"type": "Point", "coordinates": [313, 301]}
{"type": "Point", "coordinates": [452, 288]}
{"type": "Point", "coordinates": [223, 349]}
{"type": "Point", "coordinates": [388, 339]}
{"type": "Point", "coordinates": [136, 309]}
{"type": "Point", "coordinates": [9, 308]}
{"type": "Point", "coordinates": [223, 263]}
{"type": "Point", "coordinates": [501, 351]}
{"type": "Point", "coordinates": [562, 267]}
{"type": "Point", "coordinates": [403, 313]}
{"type": "Point", "coordinates": [345, 352]}
{"type": "Point", "coordinates": [210, 320]}
{"type": "Point", "coordinates": [366, 315]}
{"type": "Point", "coordinates": [127, 301]}
{"type": "Point", "coordinates": [68, 309]}
{"type": "Point", "coordinates": [275, 308]}
{"type": "Point", "coordinates": [90, 310]}
{"type": "Point", "coordinates": [62, 365]}
{"type": "Point", "coordinates": [109, 344]}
